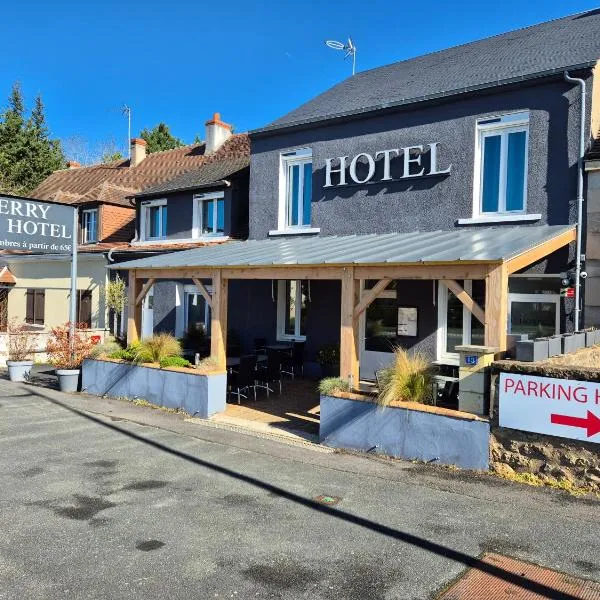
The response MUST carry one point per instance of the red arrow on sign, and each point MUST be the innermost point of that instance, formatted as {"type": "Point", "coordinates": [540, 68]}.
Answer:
{"type": "Point", "coordinates": [591, 422]}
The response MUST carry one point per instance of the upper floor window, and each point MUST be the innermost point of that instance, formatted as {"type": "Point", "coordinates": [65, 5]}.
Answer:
{"type": "Point", "coordinates": [209, 214]}
{"type": "Point", "coordinates": [89, 226]}
{"type": "Point", "coordinates": [154, 220]}
{"type": "Point", "coordinates": [295, 189]}
{"type": "Point", "coordinates": [501, 165]}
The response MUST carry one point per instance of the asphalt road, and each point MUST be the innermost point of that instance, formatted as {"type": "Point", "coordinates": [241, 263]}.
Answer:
{"type": "Point", "coordinates": [103, 499]}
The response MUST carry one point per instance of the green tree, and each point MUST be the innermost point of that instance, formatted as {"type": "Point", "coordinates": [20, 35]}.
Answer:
{"type": "Point", "coordinates": [160, 138]}
{"type": "Point", "coordinates": [109, 157]}
{"type": "Point", "coordinates": [27, 154]}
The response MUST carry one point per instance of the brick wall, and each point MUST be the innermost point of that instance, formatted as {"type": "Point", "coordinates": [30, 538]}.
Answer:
{"type": "Point", "coordinates": [117, 223]}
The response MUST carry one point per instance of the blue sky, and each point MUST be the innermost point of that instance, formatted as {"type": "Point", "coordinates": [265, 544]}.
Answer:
{"type": "Point", "coordinates": [252, 61]}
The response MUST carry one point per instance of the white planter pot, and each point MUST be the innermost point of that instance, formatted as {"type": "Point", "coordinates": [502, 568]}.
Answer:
{"type": "Point", "coordinates": [68, 379]}
{"type": "Point", "coordinates": [18, 370]}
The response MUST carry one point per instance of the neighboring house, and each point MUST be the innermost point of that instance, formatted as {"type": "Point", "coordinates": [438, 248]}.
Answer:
{"type": "Point", "coordinates": [205, 206]}
{"type": "Point", "coordinates": [103, 195]}
{"type": "Point", "coordinates": [438, 162]}
{"type": "Point", "coordinates": [592, 216]}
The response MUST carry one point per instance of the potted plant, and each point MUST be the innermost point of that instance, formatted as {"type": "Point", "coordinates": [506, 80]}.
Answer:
{"type": "Point", "coordinates": [67, 354]}
{"type": "Point", "coordinates": [329, 360]}
{"type": "Point", "coordinates": [22, 343]}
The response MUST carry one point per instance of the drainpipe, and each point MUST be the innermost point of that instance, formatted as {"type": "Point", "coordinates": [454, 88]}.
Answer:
{"type": "Point", "coordinates": [581, 84]}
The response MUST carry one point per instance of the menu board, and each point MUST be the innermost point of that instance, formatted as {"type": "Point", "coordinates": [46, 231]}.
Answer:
{"type": "Point", "coordinates": [407, 321]}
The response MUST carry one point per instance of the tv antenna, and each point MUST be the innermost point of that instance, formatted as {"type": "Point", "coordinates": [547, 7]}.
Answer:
{"type": "Point", "coordinates": [349, 48]}
{"type": "Point", "coordinates": [125, 110]}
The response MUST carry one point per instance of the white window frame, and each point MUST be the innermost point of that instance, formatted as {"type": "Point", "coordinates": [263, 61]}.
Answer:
{"type": "Point", "coordinates": [198, 225]}
{"type": "Point", "coordinates": [443, 356]}
{"type": "Point", "coordinates": [85, 215]}
{"type": "Point", "coordinates": [144, 214]}
{"type": "Point", "coordinates": [281, 316]}
{"type": "Point", "coordinates": [299, 157]}
{"type": "Point", "coordinates": [499, 125]}
{"type": "Point", "coordinates": [187, 291]}
{"type": "Point", "coordinates": [533, 298]}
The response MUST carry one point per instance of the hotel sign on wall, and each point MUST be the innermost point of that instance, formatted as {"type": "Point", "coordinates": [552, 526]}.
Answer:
{"type": "Point", "coordinates": [397, 164]}
{"type": "Point", "coordinates": [561, 407]}
{"type": "Point", "coordinates": [34, 226]}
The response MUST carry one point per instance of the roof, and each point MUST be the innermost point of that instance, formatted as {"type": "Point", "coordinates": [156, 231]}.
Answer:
{"type": "Point", "coordinates": [6, 277]}
{"type": "Point", "coordinates": [551, 47]}
{"type": "Point", "coordinates": [211, 174]}
{"type": "Point", "coordinates": [487, 244]}
{"type": "Point", "coordinates": [115, 182]}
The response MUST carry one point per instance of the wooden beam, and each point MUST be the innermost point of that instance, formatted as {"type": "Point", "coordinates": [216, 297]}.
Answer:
{"type": "Point", "coordinates": [464, 297]}
{"type": "Point", "coordinates": [134, 310]}
{"type": "Point", "coordinates": [349, 355]}
{"type": "Point", "coordinates": [496, 308]}
{"type": "Point", "coordinates": [145, 289]}
{"type": "Point", "coordinates": [541, 251]}
{"type": "Point", "coordinates": [174, 273]}
{"type": "Point", "coordinates": [203, 291]}
{"type": "Point", "coordinates": [218, 323]}
{"type": "Point", "coordinates": [423, 271]}
{"type": "Point", "coordinates": [370, 295]}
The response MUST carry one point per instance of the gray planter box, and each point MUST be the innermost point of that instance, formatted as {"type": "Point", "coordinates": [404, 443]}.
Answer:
{"type": "Point", "coordinates": [511, 343]}
{"type": "Point", "coordinates": [405, 432]}
{"type": "Point", "coordinates": [572, 342]}
{"type": "Point", "coordinates": [591, 338]}
{"type": "Point", "coordinates": [197, 394]}
{"type": "Point", "coordinates": [554, 345]}
{"type": "Point", "coordinates": [532, 350]}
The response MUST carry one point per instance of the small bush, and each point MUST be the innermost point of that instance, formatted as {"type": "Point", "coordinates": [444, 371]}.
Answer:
{"type": "Point", "coordinates": [64, 353]}
{"type": "Point", "coordinates": [331, 385]}
{"type": "Point", "coordinates": [174, 361]}
{"type": "Point", "coordinates": [407, 380]}
{"type": "Point", "coordinates": [207, 364]}
{"type": "Point", "coordinates": [106, 349]}
{"type": "Point", "coordinates": [123, 354]}
{"type": "Point", "coordinates": [22, 341]}
{"type": "Point", "coordinates": [329, 355]}
{"type": "Point", "coordinates": [157, 347]}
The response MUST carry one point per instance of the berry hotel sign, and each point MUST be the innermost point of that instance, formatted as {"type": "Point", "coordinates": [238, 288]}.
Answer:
{"type": "Point", "coordinates": [34, 226]}
{"type": "Point", "coordinates": [561, 407]}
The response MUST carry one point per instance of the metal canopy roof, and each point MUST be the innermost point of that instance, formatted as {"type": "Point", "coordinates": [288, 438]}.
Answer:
{"type": "Point", "coordinates": [487, 244]}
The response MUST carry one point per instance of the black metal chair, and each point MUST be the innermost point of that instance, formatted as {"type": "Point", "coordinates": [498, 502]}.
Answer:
{"type": "Point", "coordinates": [260, 346]}
{"type": "Point", "coordinates": [243, 378]}
{"type": "Point", "coordinates": [294, 362]}
{"type": "Point", "coordinates": [270, 373]}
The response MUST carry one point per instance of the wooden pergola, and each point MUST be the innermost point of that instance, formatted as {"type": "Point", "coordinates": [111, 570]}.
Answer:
{"type": "Point", "coordinates": [493, 315]}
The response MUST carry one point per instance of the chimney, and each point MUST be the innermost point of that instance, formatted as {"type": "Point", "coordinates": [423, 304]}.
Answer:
{"type": "Point", "coordinates": [138, 151]}
{"type": "Point", "coordinates": [72, 164]}
{"type": "Point", "coordinates": [216, 133]}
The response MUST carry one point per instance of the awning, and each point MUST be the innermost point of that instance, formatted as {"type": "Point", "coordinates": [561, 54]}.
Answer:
{"type": "Point", "coordinates": [462, 246]}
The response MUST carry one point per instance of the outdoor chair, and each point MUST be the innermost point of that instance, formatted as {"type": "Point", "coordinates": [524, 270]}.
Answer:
{"type": "Point", "coordinates": [270, 373]}
{"type": "Point", "coordinates": [243, 378]}
{"type": "Point", "coordinates": [260, 346]}
{"type": "Point", "coordinates": [294, 362]}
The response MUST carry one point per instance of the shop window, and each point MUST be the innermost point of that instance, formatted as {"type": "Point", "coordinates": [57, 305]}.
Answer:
{"type": "Point", "coordinates": [381, 324]}
{"type": "Point", "coordinates": [154, 220]}
{"type": "Point", "coordinates": [456, 324]}
{"type": "Point", "coordinates": [89, 226]}
{"type": "Point", "coordinates": [296, 189]}
{"type": "Point", "coordinates": [534, 306]}
{"type": "Point", "coordinates": [292, 308]}
{"type": "Point", "coordinates": [84, 307]}
{"type": "Point", "coordinates": [209, 214]}
{"type": "Point", "coordinates": [501, 165]}
{"type": "Point", "coordinates": [35, 304]}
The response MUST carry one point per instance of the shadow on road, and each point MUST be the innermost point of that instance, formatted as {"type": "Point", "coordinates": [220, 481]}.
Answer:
{"type": "Point", "coordinates": [407, 538]}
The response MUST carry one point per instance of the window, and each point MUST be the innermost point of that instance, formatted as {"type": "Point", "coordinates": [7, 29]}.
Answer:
{"type": "Point", "coordinates": [292, 306]}
{"type": "Point", "coordinates": [296, 189]}
{"type": "Point", "coordinates": [84, 307]}
{"type": "Point", "coordinates": [534, 306]}
{"type": "Point", "coordinates": [381, 325]}
{"type": "Point", "coordinates": [209, 214]}
{"type": "Point", "coordinates": [456, 324]}
{"type": "Point", "coordinates": [501, 165]}
{"type": "Point", "coordinates": [89, 226]}
{"type": "Point", "coordinates": [154, 220]}
{"type": "Point", "coordinates": [197, 312]}
{"type": "Point", "coordinates": [35, 301]}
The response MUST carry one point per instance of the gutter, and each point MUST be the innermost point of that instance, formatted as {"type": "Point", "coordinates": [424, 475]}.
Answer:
{"type": "Point", "coordinates": [366, 111]}
{"type": "Point", "coordinates": [198, 186]}
{"type": "Point", "coordinates": [580, 167]}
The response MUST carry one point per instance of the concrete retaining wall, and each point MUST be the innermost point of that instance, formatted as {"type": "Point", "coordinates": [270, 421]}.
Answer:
{"type": "Point", "coordinates": [405, 432]}
{"type": "Point", "coordinates": [199, 395]}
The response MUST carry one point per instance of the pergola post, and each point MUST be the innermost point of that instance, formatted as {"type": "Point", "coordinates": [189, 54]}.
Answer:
{"type": "Point", "coordinates": [134, 309]}
{"type": "Point", "coordinates": [496, 307]}
{"type": "Point", "coordinates": [218, 323]}
{"type": "Point", "coordinates": [349, 355]}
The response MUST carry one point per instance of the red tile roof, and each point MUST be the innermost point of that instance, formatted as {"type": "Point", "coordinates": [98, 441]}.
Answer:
{"type": "Point", "coordinates": [6, 277]}
{"type": "Point", "coordinates": [115, 182]}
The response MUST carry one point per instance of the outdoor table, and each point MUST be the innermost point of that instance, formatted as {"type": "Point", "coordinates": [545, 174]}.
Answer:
{"type": "Point", "coordinates": [282, 347]}
{"type": "Point", "coordinates": [234, 361]}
